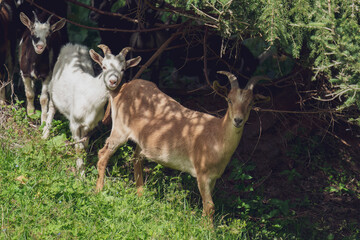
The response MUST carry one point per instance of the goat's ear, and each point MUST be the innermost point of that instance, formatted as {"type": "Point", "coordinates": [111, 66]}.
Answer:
{"type": "Point", "coordinates": [96, 57]}
{"type": "Point", "coordinates": [58, 25]}
{"type": "Point", "coordinates": [133, 62]}
{"type": "Point", "coordinates": [26, 21]}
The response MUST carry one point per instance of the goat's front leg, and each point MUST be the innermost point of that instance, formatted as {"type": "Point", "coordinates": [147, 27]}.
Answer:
{"type": "Point", "coordinates": [30, 95]}
{"type": "Point", "coordinates": [115, 140]}
{"type": "Point", "coordinates": [44, 98]}
{"type": "Point", "coordinates": [206, 185]}
{"type": "Point", "coordinates": [138, 170]}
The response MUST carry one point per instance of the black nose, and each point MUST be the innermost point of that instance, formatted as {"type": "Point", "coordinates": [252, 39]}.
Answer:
{"type": "Point", "coordinates": [238, 121]}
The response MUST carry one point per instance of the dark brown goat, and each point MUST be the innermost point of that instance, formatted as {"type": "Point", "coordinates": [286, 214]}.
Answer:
{"type": "Point", "coordinates": [7, 44]}
{"type": "Point", "coordinates": [39, 47]}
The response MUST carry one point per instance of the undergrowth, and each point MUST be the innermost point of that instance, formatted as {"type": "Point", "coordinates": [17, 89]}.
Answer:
{"type": "Point", "coordinates": [42, 197]}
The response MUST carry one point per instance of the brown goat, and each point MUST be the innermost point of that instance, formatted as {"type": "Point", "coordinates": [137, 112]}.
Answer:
{"type": "Point", "coordinates": [174, 136]}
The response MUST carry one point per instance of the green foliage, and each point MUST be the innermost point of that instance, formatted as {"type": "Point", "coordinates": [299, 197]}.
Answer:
{"type": "Point", "coordinates": [60, 126]}
{"type": "Point", "coordinates": [241, 173]}
{"type": "Point", "coordinates": [323, 36]}
{"type": "Point", "coordinates": [19, 113]}
{"type": "Point", "coordinates": [78, 34]}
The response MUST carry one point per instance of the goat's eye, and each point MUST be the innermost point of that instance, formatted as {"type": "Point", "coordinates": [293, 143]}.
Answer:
{"type": "Point", "coordinates": [229, 101]}
{"type": "Point", "coordinates": [104, 68]}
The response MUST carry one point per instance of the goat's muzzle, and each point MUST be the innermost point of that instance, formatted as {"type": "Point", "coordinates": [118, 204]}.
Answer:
{"type": "Point", "coordinates": [39, 48]}
{"type": "Point", "coordinates": [238, 122]}
{"type": "Point", "coordinates": [113, 81]}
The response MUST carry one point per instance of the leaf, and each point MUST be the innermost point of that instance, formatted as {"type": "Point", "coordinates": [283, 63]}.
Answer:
{"type": "Point", "coordinates": [36, 115]}
{"type": "Point", "coordinates": [21, 179]}
{"type": "Point", "coordinates": [317, 24]}
{"type": "Point", "coordinates": [58, 141]}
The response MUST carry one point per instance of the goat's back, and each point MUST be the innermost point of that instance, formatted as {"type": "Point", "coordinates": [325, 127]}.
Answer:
{"type": "Point", "coordinates": [74, 57]}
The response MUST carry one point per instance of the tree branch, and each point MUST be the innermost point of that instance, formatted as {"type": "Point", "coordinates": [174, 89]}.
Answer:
{"type": "Point", "coordinates": [156, 54]}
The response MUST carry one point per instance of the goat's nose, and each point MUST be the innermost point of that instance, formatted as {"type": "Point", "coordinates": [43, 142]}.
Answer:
{"type": "Point", "coordinates": [238, 121]}
{"type": "Point", "coordinates": [112, 81]}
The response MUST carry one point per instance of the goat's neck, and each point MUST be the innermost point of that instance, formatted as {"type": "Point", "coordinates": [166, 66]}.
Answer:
{"type": "Point", "coordinates": [114, 93]}
{"type": "Point", "coordinates": [102, 87]}
{"type": "Point", "coordinates": [231, 135]}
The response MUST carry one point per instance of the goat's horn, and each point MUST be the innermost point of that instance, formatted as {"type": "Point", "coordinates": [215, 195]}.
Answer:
{"type": "Point", "coordinates": [104, 48]}
{"type": "Point", "coordinates": [125, 51]}
{"type": "Point", "coordinates": [35, 17]}
{"type": "Point", "coordinates": [253, 81]}
{"type": "Point", "coordinates": [232, 79]}
{"type": "Point", "coordinates": [48, 20]}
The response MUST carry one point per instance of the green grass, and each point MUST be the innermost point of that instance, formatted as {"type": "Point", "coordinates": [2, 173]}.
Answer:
{"type": "Point", "coordinates": [41, 196]}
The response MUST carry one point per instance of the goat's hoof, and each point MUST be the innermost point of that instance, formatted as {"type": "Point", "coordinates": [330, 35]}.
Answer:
{"type": "Point", "coordinates": [45, 135]}
{"type": "Point", "coordinates": [30, 111]}
{"type": "Point", "coordinates": [140, 191]}
{"type": "Point", "coordinates": [80, 167]}
{"type": "Point", "coordinates": [98, 189]}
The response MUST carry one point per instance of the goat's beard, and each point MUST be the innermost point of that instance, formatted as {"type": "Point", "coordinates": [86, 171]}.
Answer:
{"type": "Point", "coordinates": [112, 86]}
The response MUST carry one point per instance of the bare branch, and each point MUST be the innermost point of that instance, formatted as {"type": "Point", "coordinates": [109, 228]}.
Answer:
{"type": "Point", "coordinates": [156, 54]}
{"type": "Point", "coordinates": [105, 29]}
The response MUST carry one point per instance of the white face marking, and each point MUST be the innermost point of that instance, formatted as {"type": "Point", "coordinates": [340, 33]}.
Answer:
{"type": "Point", "coordinates": [39, 34]}
{"type": "Point", "coordinates": [113, 70]}
{"type": "Point", "coordinates": [240, 106]}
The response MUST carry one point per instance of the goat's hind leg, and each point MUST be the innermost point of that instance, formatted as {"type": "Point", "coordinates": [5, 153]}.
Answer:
{"type": "Point", "coordinates": [78, 133]}
{"type": "Point", "coordinates": [138, 170]}
{"type": "Point", "coordinates": [44, 99]}
{"type": "Point", "coordinates": [115, 140]}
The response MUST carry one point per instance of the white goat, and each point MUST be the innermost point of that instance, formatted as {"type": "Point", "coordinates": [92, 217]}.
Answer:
{"type": "Point", "coordinates": [78, 94]}
{"type": "Point", "coordinates": [174, 136]}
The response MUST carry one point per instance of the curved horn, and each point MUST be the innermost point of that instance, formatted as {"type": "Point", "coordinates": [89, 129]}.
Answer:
{"type": "Point", "coordinates": [48, 20]}
{"type": "Point", "coordinates": [104, 48]}
{"type": "Point", "coordinates": [253, 81]}
{"type": "Point", "coordinates": [125, 51]}
{"type": "Point", "coordinates": [232, 79]}
{"type": "Point", "coordinates": [35, 17]}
